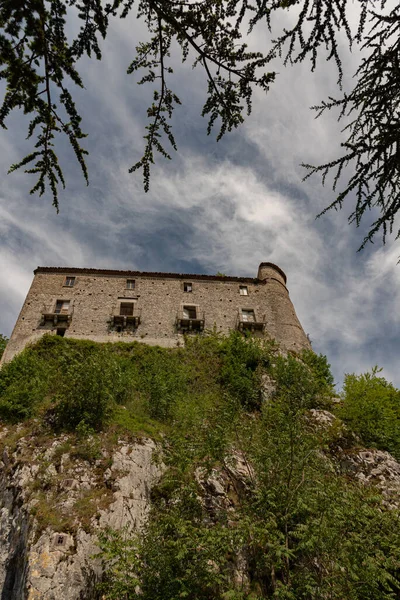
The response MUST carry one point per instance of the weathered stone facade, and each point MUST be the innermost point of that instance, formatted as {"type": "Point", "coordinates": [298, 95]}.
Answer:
{"type": "Point", "coordinates": [155, 308]}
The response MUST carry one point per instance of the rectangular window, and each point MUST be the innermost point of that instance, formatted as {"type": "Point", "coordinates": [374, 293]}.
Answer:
{"type": "Point", "coordinates": [69, 281]}
{"type": "Point", "coordinates": [187, 287]}
{"type": "Point", "coordinates": [189, 312]}
{"type": "Point", "coordinates": [248, 315]}
{"type": "Point", "coordinates": [130, 284]}
{"type": "Point", "coordinates": [243, 290]}
{"type": "Point", "coordinates": [126, 309]}
{"type": "Point", "coordinates": [62, 307]}
{"type": "Point", "coordinates": [61, 331]}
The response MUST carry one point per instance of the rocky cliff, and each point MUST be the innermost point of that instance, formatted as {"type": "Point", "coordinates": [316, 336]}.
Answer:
{"type": "Point", "coordinates": [56, 495]}
{"type": "Point", "coordinates": [53, 501]}
{"type": "Point", "coordinates": [220, 470]}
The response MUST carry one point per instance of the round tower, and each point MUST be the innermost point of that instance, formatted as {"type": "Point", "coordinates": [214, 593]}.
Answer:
{"type": "Point", "coordinates": [267, 270]}
{"type": "Point", "coordinates": [282, 323]}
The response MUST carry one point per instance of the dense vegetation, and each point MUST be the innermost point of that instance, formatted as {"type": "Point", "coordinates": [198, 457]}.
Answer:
{"type": "Point", "coordinates": [371, 407]}
{"type": "Point", "coordinates": [3, 344]}
{"type": "Point", "coordinates": [295, 527]}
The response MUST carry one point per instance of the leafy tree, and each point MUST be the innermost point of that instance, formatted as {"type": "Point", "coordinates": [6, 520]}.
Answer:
{"type": "Point", "coordinates": [371, 407]}
{"type": "Point", "coordinates": [321, 369]}
{"type": "Point", "coordinates": [308, 525]}
{"type": "Point", "coordinates": [3, 343]}
{"type": "Point", "coordinates": [241, 357]}
{"type": "Point", "coordinates": [23, 386]}
{"type": "Point", "coordinates": [39, 66]}
{"type": "Point", "coordinates": [89, 391]}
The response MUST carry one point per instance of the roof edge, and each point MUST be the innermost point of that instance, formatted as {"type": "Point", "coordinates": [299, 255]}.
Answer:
{"type": "Point", "coordinates": [155, 275]}
{"type": "Point", "coordinates": [273, 266]}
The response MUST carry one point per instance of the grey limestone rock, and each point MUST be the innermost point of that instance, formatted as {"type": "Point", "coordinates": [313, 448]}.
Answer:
{"type": "Point", "coordinates": [375, 467]}
{"type": "Point", "coordinates": [368, 466]}
{"type": "Point", "coordinates": [39, 563]}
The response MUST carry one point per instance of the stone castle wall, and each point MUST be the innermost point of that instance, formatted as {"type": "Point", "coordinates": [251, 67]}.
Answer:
{"type": "Point", "coordinates": [159, 298]}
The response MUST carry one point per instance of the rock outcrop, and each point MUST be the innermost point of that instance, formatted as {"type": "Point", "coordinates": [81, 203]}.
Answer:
{"type": "Point", "coordinates": [375, 467]}
{"type": "Point", "coordinates": [368, 466]}
{"type": "Point", "coordinates": [52, 503]}
{"type": "Point", "coordinates": [57, 493]}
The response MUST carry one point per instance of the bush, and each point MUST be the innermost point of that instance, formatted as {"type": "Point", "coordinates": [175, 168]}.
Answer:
{"type": "Point", "coordinates": [241, 356]}
{"type": "Point", "coordinates": [89, 391]}
{"type": "Point", "coordinates": [3, 343]}
{"type": "Point", "coordinates": [163, 378]}
{"type": "Point", "coordinates": [24, 385]}
{"type": "Point", "coordinates": [302, 531]}
{"type": "Point", "coordinates": [298, 530]}
{"type": "Point", "coordinates": [371, 408]}
{"type": "Point", "coordinates": [321, 369]}
{"type": "Point", "coordinates": [176, 557]}
{"type": "Point", "coordinates": [296, 384]}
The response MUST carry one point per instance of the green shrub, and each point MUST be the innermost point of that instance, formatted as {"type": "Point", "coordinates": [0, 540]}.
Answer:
{"type": "Point", "coordinates": [240, 374]}
{"type": "Point", "coordinates": [320, 368]}
{"type": "Point", "coordinates": [176, 557]}
{"type": "Point", "coordinates": [3, 343]}
{"type": "Point", "coordinates": [296, 384]}
{"type": "Point", "coordinates": [371, 408]}
{"type": "Point", "coordinates": [24, 384]}
{"type": "Point", "coordinates": [89, 391]}
{"type": "Point", "coordinates": [163, 378]}
{"type": "Point", "coordinates": [86, 380]}
{"type": "Point", "coordinates": [305, 532]}
{"type": "Point", "coordinates": [88, 446]}
{"type": "Point", "coordinates": [302, 531]}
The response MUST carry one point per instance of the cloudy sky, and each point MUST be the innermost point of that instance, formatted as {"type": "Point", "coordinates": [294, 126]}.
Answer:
{"type": "Point", "coordinates": [222, 206]}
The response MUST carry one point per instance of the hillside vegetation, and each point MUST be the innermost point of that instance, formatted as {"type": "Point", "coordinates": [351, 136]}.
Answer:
{"type": "Point", "coordinates": [295, 527]}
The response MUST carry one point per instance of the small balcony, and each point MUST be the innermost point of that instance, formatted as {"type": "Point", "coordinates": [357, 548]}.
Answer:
{"type": "Point", "coordinates": [248, 320]}
{"type": "Point", "coordinates": [126, 315]}
{"type": "Point", "coordinates": [189, 318]}
{"type": "Point", "coordinates": [61, 312]}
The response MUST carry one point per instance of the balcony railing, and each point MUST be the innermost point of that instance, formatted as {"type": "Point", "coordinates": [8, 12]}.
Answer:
{"type": "Point", "coordinates": [118, 320]}
{"type": "Point", "coordinates": [250, 322]}
{"type": "Point", "coordinates": [55, 315]}
{"type": "Point", "coordinates": [190, 322]}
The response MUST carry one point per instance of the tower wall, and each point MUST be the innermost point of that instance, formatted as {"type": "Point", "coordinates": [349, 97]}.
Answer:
{"type": "Point", "coordinates": [284, 326]}
{"type": "Point", "coordinates": [268, 270]}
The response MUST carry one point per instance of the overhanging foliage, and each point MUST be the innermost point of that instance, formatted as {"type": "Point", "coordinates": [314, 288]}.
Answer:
{"type": "Point", "coordinates": [39, 64]}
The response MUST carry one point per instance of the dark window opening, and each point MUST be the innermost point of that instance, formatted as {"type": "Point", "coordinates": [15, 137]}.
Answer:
{"type": "Point", "coordinates": [61, 331]}
{"type": "Point", "coordinates": [130, 284]}
{"type": "Point", "coordinates": [119, 328]}
{"type": "Point", "coordinates": [189, 312]}
{"type": "Point", "coordinates": [187, 287]}
{"type": "Point", "coordinates": [62, 307]}
{"type": "Point", "coordinates": [69, 281]}
{"type": "Point", "coordinates": [126, 309]}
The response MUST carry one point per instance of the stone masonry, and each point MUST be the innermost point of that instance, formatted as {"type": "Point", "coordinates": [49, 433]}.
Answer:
{"type": "Point", "coordinates": [155, 308]}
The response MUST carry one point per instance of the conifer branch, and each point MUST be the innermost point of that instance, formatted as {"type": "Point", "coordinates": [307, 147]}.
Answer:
{"type": "Point", "coordinates": [36, 58]}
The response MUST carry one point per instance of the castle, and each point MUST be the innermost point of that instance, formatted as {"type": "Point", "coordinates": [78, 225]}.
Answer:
{"type": "Point", "coordinates": [156, 308]}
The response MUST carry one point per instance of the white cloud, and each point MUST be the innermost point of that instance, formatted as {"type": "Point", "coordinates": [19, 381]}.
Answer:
{"type": "Point", "coordinates": [219, 209]}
